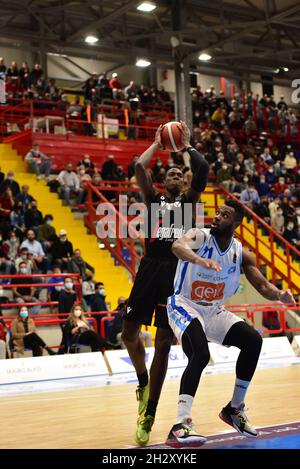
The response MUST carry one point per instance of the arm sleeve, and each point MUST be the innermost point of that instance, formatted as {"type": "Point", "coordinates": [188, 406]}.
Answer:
{"type": "Point", "coordinates": [200, 168]}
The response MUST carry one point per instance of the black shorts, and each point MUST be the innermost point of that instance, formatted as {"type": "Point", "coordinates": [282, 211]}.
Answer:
{"type": "Point", "coordinates": [153, 284]}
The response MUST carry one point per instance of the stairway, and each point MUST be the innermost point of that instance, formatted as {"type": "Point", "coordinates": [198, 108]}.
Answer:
{"type": "Point", "coordinates": [115, 278]}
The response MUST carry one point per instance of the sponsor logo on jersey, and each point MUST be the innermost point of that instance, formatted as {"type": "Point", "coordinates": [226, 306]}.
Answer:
{"type": "Point", "coordinates": [232, 269]}
{"type": "Point", "coordinates": [205, 291]}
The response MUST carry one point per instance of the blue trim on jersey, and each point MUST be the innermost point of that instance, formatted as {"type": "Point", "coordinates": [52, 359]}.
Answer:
{"type": "Point", "coordinates": [183, 272]}
{"type": "Point", "coordinates": [218, 249]}
{"type": "Point", "coordinates": [180, 309]}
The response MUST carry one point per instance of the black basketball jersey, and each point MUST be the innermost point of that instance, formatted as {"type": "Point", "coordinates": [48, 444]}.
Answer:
{"type": "Point", "coordinates": [167, 221]}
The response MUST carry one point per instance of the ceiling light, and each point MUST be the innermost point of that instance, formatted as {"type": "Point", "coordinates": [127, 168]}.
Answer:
{"type": "Point", "coordinates": [146, 7]}
{"type": "Point", "coordinates": [91, 39]}
{"type": "Point", "coordinates": [204, 57]}
{"type": "Point", "coordinates": [285, 69]}
{"type": "Point", "coordinates": [142, 63]}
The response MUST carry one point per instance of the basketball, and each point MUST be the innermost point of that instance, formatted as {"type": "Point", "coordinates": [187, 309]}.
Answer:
{"type": "Point", "coordinates": [171, 136]}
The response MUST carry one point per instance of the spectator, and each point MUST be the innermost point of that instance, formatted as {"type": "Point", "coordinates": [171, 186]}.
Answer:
{"type": "Point", "coordinates": [24, 335]}
{"type": "Point", "coordinates": [224, 174]}
{"type": "Point", "coordinates": [11, 246]}
{"type": "Point", "coordinates": [62, 250]}
{"type": "Point", "coordinates": [28, 259]}
{"type": "Point", "coordinates": [54, 291]}
{"type": "Point", "coordinates": [17, 220]}
{"type": "Point", "coordinates": [280, 186]}
{"type": "Point", "coordinates": [290, 234]}
{"type": "Point", "coordinates": [131, 167]}
{"type": "Point", "coordinates": [262, 187]}
{"type": "Point", "coordinates": [2, 176]}
{"type": "Point", "coordinates": [69, 182]}
{"type": "Point", "coordinates": [86, 162]}
{"type": "Point", "coordinates": [38, 162]}
{"type": "Point", "coordinates": [2, 341]}
{"type": "Point", "coordinates": [24, 294]}
{"type": "Point", "coordinates": [67, 296]}
{"type": "Point", "coordinates": [109, 169]}
{"type": "Point", "coordinates": [33, 216]}
{"type": "Point", "coordinates": [77, 265]}
{"type": "Point", "coordinates": [249, 196]}
{"type": "Point", "coordinates": [290, 161]}
{"type": "Point", "coordinates": [78, 332]}
{"type": "Point", "coordinates": [277, 221]}
{"type": "Point", "coordinates": [24, 197]}
{"type": "Point", "coordinates": [262, 209]}
{"type": "Point", "coordinates": [98, 303]}
{"type": "Point", "coordinates": [115, 85]}
{"type": "Point", "coordinates": [46, 233]}
{"type": "Point", "coordinates": [7, 203]}
{"type": "Point", "coordinates": [88, 289]}
{"type": "Point", "coordinates": [35, 248]}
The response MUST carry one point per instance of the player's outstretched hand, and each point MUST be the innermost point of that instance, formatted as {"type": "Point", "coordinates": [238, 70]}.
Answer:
{"type": "Point", "coordinates": [287, 297]}
{"type": "Point", "coordinates": [208, 264]}
{"type": "Point", "coordinates": [157, 139]}
{"type": "Point", "coordinates": [186, 134]}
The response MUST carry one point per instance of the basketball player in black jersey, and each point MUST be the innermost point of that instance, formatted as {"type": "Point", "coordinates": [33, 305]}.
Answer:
{"type": "Point", "coordinates": [154, 280]}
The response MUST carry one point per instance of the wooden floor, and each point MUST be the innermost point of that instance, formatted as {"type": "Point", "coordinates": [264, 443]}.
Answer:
{"type": "Point", "coordinates": [105, 417]}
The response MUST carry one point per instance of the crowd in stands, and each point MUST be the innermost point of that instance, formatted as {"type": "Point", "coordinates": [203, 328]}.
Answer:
{"type": "Point", "coordinates": [249, 114]}
{"type": "Point", "coordinates": [23, 82]}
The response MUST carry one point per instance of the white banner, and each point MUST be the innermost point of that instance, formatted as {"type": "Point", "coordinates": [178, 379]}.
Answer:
{"type": "Point", "coordinates": [273, 347]}
{"type": "Point", "coordinates": [21, 370]}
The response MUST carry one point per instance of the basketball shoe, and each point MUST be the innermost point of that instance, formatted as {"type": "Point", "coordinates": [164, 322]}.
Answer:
{"type": "Point", "coordinates": [144, 427]}
{"type": "Point", "coordinates": [237, 418]}
{"type": "Point", "coordinates": [183, 435]}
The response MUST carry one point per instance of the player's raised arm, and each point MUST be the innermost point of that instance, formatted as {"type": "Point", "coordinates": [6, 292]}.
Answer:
{"type": "Point", "coordinates": [142, 176]}
{"type": "Point", "coordinates": [261, 284]}
{"type": "Point", "coordinates": [199, 166]}
{"type": "Point", "coordinates": [192, 240]}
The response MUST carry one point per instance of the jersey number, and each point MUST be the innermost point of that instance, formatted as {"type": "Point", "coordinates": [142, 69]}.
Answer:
{"type": "Point", "coordinates": [207, 251]}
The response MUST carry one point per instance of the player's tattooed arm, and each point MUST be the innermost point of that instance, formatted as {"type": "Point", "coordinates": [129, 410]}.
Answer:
{"type": "Point", "coordinates": [142, 174]}
{"type": "Point", "coordinates": [261, 284]}
{"type": "Point", "coordinates": [184, 248]}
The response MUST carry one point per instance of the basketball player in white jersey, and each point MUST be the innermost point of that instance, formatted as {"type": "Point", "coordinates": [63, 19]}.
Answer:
{"type": "Point", "coordinates": [208, 274]}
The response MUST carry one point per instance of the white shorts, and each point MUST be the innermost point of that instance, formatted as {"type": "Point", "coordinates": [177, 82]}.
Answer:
{"type": "Point", "coordinates": [215, 320]}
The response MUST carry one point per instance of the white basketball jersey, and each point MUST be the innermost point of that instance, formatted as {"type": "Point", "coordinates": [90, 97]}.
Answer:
{"type": "Point", "coordinates": [204, 286]}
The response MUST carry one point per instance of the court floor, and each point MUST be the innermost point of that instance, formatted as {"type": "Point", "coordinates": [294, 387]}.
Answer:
{"type": "Point", "coordinates": [104, 417]}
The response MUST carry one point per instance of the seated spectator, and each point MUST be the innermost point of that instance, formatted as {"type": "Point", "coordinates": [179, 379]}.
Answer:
{"type": "Point", "coordinates": [77, 331]}
{"type": "Point", "coordinates": [38, 162]}
{"type": "Point", "coordinates": [17, 220]}
{"type": "Point", "coordinates": [115, 85]}
{"type": "Point", "coordinates": [86, 162]}
{"type": "Point", "coordinates": [11, 183]}
{"type": "Point", "coordinates": [2, 176]}
{"type": "Point", "coordinates": [62, 250]}
{"type": "Point", "coordinates": [277, 221]}
{"type": "Point", "coordinates": [24, 335]}
{"type": "Point", "coordinates": [218, 117]}
{"type": "Point", "coordinates": [54, 291]}
{"type": "Point", "coordinates": [145, 336]}
{"type": "Point", "coordinates": [28, 258]}
{"type": "Point", "coordinates": [11, 246]}
{"type": "Point", "coordinates": [35, 248]}
{"type": "Point", "coordinates": [88, 289]}
{"type": "Point", "coordinates": [290, 161]}
{"type": "Point", "coordinates": [33, 217]}
{"type": "Point", "coordinates": [224, 174]}
{"type": "Point", "coordinates": [262, 187]}
{"type": "Point", "coordinates": [67, 296]}
{"type": "Point", "coordinates": [280, 186]}
{"type": "Point", "coordinates": [69, 182]}
{"type": "Point", "coordinates": [77, 265]}
{"type": "Point", "coordinates": [7, 204]}
{"type": "Point", "coordinates": [290, 234]}
{"type": "Point", "coordinates": [2, 341]}
{"type": "Point", "coordinates": [46, 233]}
{"type": "Point", "coordinates": [98, 303]}
{"type": "Point", "coordinates": [262, 209]}
{"type": "Point", "coordinates": [83, 177]}
{"type": "Point", "coordinates": [249, 196]}
{"type": "Point", "coordinates": [24, 197]}
{"type": "Point", "coordinates": [24, 294]}
{"type": "Point", "coordinates": [109, 168]}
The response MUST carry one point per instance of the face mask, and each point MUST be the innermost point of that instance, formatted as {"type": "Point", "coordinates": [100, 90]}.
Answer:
{"type": "Point", "coordinates": [97, 178]}
{"type": "Point", "coordinates": [10, 178]}
{"type": "Point", "coordinates": [171, 165]}
{"type": "Point", "coordinates": [69, 285]}
{"type": "Point", "coordinates": [159, 163]}
{"type": "Point", "coordinates": [225, 167]}
{"type": "Point", "coordinates": [237, 167]}
{"type": "Point", "coordinates": [221, 158]}
{"type": "Point", "coordinates": [82, 172]}
{"type": "Point", "coordinates": [24, 314]}
{"type": "Point", "coordinates": [271, 170]}
{"type": "Point", "coordinates": [102, 292]}
{"type": "Point", "coordinates": [245, 179]}
{"type": "Point", "coordinates": [77, 313]}
{"type": "Point", "coordinates": [49, 222]}
{"type": "Point", "coordinates": [24, 256]}
{"type": "Point", "coordinates": [262, 181]}
{"type": "Point", "coordinates": [290, 227]}
{"type": "Point", "coordinates": [13, 240]}
{"type": "Point", "coordinates": [280, 212]}
{"type": "Point", "coordinates": [23, 270]}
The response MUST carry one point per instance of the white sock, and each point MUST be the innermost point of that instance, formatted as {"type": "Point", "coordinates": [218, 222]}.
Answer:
{"type": "Point", "coordinates": [185, 403]}
{"type": "Point", "coordinates": [239, 392]}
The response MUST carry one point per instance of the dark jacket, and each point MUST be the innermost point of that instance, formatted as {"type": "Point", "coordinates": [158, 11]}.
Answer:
{"type": "Point", "coordinates": [66, 301]}
{"type": "Point", "coordinates": [60, 249]}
